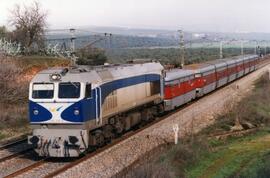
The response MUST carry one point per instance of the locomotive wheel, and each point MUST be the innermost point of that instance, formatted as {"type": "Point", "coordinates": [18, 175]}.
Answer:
{"type": "Point", "coordinates": [108, 132]}
{"type": "Point", "coordinates": [99, 137]}
{"type": "Point", "coordinates": [119, 127]}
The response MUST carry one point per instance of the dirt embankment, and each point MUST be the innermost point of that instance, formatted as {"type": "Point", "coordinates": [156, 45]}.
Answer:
{"type": "Point", "coordinates": [15, 75]}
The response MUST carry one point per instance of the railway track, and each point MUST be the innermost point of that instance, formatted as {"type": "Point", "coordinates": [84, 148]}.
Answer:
{"type": "Point", "coordinates": [8, 145]}
{"type": "Point", "coordinates": [13, 149]}
{"type": "Point", "coordinates": [15, 155]}
{"type": "Point", "coordinates": [234, 133]}
{"type": "Point", "coordinates": [71, 164]}
{"type": "Point", "coordinates": [28, 168]}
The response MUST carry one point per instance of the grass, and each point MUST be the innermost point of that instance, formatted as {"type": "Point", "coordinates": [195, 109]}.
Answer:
{"type": "Point", "coordinates": [258, 167]}
{"type": "Point", "coordinates": [203, 158]}
{"type": "Point", "coordinates": [254, 109]}
{"type": "Point", "coordinates": [14, 120]}
{"type": "Point", "coordinates": [232, 158]}
{"type": "Point", "coordinates": [235, 155]}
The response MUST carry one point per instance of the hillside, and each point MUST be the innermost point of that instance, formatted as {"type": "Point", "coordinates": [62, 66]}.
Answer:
{"type": "Point", "coordinates": [15, 75]}
{"type": "Point", "coordinates": [236, 145]}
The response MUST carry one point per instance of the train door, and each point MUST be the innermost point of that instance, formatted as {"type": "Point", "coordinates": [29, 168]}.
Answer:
{"type": "Point", "coordinates": [199, 83]}
{"type": "Point", "coordinates": [98, 106]}
{"type": "Point", "coordinates": [190, 92]}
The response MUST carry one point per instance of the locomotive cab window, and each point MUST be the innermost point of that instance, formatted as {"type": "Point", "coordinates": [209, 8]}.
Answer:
{"type": "Point", "coordinates": [88, 90]}
{"type": "Point", "coordinates": [69, 90]}
{"type": "Point", "coordinates": [42, 91]}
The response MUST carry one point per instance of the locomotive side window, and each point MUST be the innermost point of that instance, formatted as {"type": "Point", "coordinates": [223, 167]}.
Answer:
{"type": "Point", "coordinates": [155, 87]}
{"type": "Point", "coordinates": [88, 91]}
{"type": "Point", "coordinates": [42, 91]}
{"type": "Point", "coordinates": [69, 90]}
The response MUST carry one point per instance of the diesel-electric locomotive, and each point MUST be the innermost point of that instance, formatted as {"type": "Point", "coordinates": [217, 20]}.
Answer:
{"type": "Point", "coordinates": [77, 108]}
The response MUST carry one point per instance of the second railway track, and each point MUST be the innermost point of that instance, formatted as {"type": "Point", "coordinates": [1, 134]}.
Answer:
{"type": "Point", "coordinates": [14, 149]}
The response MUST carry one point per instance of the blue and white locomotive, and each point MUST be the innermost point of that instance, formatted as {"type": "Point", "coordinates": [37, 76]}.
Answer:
{"type": "Point", "coordinates": [77, 108]}
{"type": "Point", "coordinates": [73, 109]}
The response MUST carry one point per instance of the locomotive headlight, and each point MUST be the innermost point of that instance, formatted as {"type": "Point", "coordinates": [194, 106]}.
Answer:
{"type": "Point", "coordinates": [76, 112]}
{"type": "Point", "coordinates": [35, 112]}
{"type": "Point", "coordinates": [55, 77]}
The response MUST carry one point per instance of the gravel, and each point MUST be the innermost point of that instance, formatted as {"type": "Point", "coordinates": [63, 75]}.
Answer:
{"type": "Point", "coordinates": [12, 165]}
{"type": "Point", "coordinates": [44, 169]}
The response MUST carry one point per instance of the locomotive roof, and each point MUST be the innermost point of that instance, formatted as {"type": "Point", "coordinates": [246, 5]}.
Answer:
{"type": "Point", "coordinates": [99, 74]}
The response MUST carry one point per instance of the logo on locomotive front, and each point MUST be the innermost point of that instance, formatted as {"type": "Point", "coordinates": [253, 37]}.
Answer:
{"type": "Point", "coordinates": [56, 109]}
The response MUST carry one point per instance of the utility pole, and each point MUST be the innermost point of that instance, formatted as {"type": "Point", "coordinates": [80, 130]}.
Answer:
{"type": "Point", "coordinates": [182, 48]}
{"type": "Point", "coordinates": [72, 41]}
{"type": "Point", "coordinates": [255, 50]}
{"type": "Point", "coordinates": [242, 48]}
{"type": "Point", "coordinates": [110, 41]}
{"type": "Point", "coordinates": [220, 50]}
{"type": "Point", "coordinates": [105, 41]}
{"type": "Point", "coordinates": [265, 45]}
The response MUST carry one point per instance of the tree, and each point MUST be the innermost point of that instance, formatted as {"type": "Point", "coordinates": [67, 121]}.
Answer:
{"type": "Point", "coordinates": [30, 24]}
{"type": "Point", "coordinates": [3, 32]}
{"type": "Point", "coordinates": [91, 56]}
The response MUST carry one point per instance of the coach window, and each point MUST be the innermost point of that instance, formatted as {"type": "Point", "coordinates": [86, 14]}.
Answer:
{"type": "Point", "coordinates": [88, 91]}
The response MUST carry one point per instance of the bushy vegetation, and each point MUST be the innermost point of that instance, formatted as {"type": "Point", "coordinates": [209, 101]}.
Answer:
{"type": "Point", "coordinates": [171, 55]}
{"type": "Point", "coordinates": [119, 41]}
{"type": "Point", "coordinates": [91, 56]}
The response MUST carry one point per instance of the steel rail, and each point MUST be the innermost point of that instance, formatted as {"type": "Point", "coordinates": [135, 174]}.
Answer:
{"type": "Point", "coordinates": [17, 142]}
{"type": "Point", "coordinates": [26, 169]}
{"type": "Point", "coordinates": [15, 154]}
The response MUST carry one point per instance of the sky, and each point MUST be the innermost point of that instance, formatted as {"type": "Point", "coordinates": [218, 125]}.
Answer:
{"type": "Point", "coordinates": [190, 15]}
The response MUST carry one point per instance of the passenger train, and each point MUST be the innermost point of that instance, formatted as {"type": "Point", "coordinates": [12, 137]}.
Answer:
{"type": "Point", "coordinates": [78, 108]}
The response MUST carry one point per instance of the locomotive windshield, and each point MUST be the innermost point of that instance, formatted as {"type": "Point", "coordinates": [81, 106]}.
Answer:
{"type": "Point", "coordinates": [42, 90]}
{"type": "Point", "coordinates": [69, 90]}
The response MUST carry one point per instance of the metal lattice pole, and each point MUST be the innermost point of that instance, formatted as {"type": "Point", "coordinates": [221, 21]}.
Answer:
{"type": "Point", "coordinates": [182, 48]}
{"type": "Point", "coordinates": [72, 40]}
{"type": "Point", "coordinates": [220, 50]}
{"type": "Point", "coordinates": [242, 48]}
